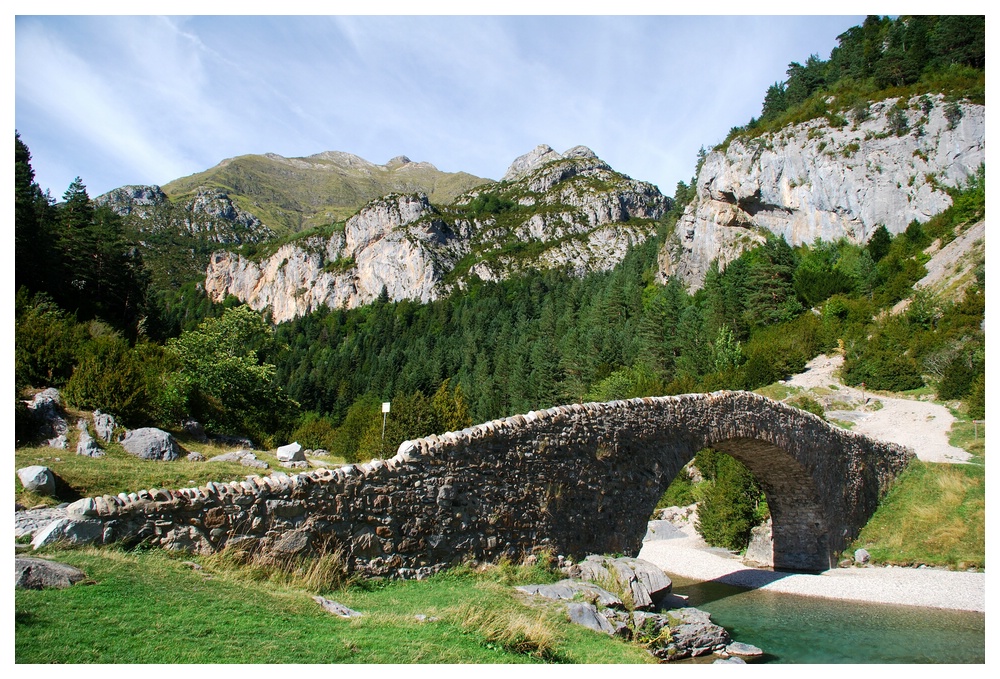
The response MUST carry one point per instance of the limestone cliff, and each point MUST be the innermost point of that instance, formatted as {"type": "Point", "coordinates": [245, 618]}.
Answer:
{"type": "Point", "coordinates": [566, 210]}
{"type": "Point", "coordinates": [816, 180]}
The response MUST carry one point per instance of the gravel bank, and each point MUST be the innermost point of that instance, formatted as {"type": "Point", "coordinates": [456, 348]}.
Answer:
{"type": "Point", "coordinates": [681, 551]}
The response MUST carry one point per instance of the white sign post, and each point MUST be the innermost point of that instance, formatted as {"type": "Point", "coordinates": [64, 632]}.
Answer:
{"type": "Point", "coordinates": [385, 412]}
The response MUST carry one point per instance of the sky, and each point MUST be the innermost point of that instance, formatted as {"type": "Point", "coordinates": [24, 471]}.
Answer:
{"type": "Point", "coordinates": [123, 100]}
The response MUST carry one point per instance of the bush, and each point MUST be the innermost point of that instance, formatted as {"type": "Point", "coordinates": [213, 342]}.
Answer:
{"type": "Point", "coordinates": [110, 377]}
{"type": "Point", "coordinates": [810, 405]}
{"type": "Point", "coordinates": [315, 431]}
{"type": "Point", "coordinates": [680, 492]}
{"type": "Point", "coordinates": [731, 503]}
{"type": "Point", "coordinates": [46, 341]}
{"type": "Point", "coordinates": [882, 368]}
{"type": "Point", "coordinates": [975, 405]}
{"type": "Point", "coordinates": [961, 374]}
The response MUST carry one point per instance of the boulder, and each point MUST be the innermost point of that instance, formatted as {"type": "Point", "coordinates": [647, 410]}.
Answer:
{"type": "Point", "coordinates": [646, 582]}
{"type": "Point", "coordinates": [72, 531]}
{"type": "Point", "coordinates": [31, 573]}
{"type": "Point", "coordinates": [742, 649]}
{"type": "Point", "coordinates": [87, 446]}
{"type": "Point", "coordinates": [861, 556]}
{"type": "Point", "coordinates": [244, 457]}
{"type": "Point", "coordinates": [336, 608]}
{"type": "Point", "coordinates": [571, 589]}
{"type": "Point", "coordinates": [588, 616]}
{"type": "Point", "coordinates": [30, 521]}
{"type": "Point", "coordinates": [195, 456]}
{"type": "Point", "coordinates": [150, 443]}
{"type": "Point", "coordinates": [291, 453]}
{"type": "Point", "coordinates": [46, 411]}
{"type": "Point", "coordinates": [37, 479]}
{"type": "Point", "coordinates": [105, 426]}
{"type": "Point", "coordinates": [194, 428]}
{"type": "Point", "coordinates": [760, 551]}
{"type": "Point", "coordinates": [692, 634]}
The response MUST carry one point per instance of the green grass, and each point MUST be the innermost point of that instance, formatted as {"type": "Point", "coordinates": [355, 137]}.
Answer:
{"type": "Point", "coordinates": [971, 437]}
{"type": "Point", "coordinates": [121, 472]}
{"type": "Point", "coordinates": [934, 514]}
{"type": "Point", "coordinates": [777, 391]}
{"type": "Point", "coordinates": [149, 607]}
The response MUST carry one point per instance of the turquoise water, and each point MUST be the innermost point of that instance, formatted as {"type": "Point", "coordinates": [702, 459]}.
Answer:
{"type": "Point", "coordinates": [797, 629]}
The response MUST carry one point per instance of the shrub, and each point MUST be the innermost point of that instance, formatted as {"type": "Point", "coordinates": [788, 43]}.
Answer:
{"type": "Point", "coordinates": [975, 405]}
{"type": "Point", "coordinates": [315, 431]}
{"type": "Point", "coordinates": [808, 404]}
{"type": "Point", "coordinates": [680, 492]}
{"type": "Point", "coordinates": [46, 341]}
{"type": "Point", "coordinates": [729, 508]}
{"type": "Point", "coordinates": [110, 377]}
{"type": "Point", "coordinates": [962, 372]}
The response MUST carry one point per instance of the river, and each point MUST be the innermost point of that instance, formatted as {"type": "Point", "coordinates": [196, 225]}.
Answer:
{"type": "Point", "coordinates": [799, 629]}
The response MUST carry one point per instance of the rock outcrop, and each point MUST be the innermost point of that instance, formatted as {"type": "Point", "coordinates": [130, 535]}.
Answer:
{"type": "Point", "coordinates": [209, 214]}
{"type": "Point", "coordinates": [572, 209]}
{"type": "Point", "coordinates": [816, 180]}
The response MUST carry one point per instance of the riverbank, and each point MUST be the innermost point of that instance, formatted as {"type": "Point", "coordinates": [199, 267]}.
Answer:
{"type": "Point", "coordinates": [681, 551]}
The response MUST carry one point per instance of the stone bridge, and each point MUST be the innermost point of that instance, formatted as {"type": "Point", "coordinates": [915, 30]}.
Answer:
{"type": "Point", "coordinates": [575, 479]}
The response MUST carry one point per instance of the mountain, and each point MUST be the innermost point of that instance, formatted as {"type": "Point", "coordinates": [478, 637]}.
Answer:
{"type": "Point", "coordinates": [257, 198]}
{"type": "Point", "coordinates": [891, 163]}
{"type": "Point", "coordinates": [552, 210]}
{"type": "Point", "coordinates": [292, 194]}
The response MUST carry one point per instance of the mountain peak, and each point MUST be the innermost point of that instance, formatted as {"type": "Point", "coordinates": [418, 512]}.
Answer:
{"type": "Point", "coordinates": [540, 155]}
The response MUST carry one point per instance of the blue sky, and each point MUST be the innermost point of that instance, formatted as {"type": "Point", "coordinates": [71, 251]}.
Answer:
{"type": "Point", "coordinates": [143, 100]}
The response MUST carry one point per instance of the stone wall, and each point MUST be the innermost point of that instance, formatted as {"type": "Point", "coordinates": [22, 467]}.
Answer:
{"type": "Point", "coordinates": [578, 479]}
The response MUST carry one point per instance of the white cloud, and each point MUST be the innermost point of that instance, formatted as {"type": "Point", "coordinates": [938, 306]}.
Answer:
{"type": "Point", "coordinates": [128, 99]}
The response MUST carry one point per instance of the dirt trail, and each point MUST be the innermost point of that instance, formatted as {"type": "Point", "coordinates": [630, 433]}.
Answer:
{"type": "Point", "coordinates": [918, 425]}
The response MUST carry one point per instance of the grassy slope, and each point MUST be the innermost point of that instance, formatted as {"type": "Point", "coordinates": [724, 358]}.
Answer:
{"type": "Point", "coordinates": [935, 514]}
{"type": "Point", "coordinates": [149, 607]}
{"type": "Point", "coordinates": [289, 198]}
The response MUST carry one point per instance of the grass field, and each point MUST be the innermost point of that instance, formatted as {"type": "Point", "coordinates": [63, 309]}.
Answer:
{"type": "Point", "coordinates": [154, 607]}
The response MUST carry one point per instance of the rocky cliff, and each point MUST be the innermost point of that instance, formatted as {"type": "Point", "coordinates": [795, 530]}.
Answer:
{"type": "Point", "coordinates": [566, 210]}
{"type": "Point", "coordinates": [888, 164]}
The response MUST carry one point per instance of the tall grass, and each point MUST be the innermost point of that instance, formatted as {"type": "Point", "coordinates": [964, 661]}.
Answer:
{"type": "Point", "coordinates": [934, 514]}
{"type": "Point", "coordinates": [525, 634]}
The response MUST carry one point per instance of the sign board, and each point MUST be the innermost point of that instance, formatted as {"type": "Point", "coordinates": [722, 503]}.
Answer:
{"type": "Point", "coordinates": [385, 407]}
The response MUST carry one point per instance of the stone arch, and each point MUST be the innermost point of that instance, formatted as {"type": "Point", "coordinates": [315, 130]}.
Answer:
{"type": "Point", "coordinates": [575, 479]}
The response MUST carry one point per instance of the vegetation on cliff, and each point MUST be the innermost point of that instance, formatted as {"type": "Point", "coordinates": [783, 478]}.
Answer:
{"type": "Point", "coordinates": [880, 59]}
